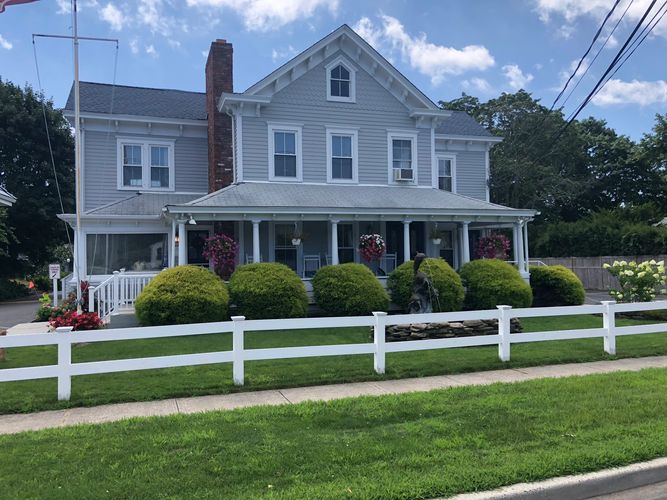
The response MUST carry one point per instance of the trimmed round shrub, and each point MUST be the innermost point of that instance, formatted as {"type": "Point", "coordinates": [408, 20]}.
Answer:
{"type": "Point", "coordinates": [491, 282]}
{"type": "Point", "coordinates": [555, 286]}
{"type": "Point", "coordinates": [444, 279]}
{"type": "Point", "coordinates": [268, 290]}
{"type": "Point", "coordinates": [183, 294]}
{"type": "Point", "coordinates": [349, 290]}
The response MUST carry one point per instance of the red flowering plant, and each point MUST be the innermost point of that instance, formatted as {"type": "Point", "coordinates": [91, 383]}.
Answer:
{"type": "Point", "coordinates": [222, 250]}
{"type": "Point", "coordinates": [78, 321]}
{"type": "Point", "coordinates": [493, 246]}
{"type": "Point", "coordinates": [371, 247]}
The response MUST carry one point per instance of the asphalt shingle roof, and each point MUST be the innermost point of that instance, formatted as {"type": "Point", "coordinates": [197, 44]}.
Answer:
{"type": "Point", "coordinates": [139, 101]}
{"type": "Point", "coordinates": [143, 204]}
{"type": "Point", "coordinates": [461, 123]}
{"type": "Point", "coordinates": [301, 196]}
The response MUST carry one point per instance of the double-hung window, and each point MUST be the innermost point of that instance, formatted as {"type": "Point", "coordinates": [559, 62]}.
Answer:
{"type": "Point", "coordinates": [284, 152]}
{"type": "Point", "coordinates": [447, 173]}
{"type": "Point", "coordinates": [342, 155]}
{"type": "Point", "coordinates": [145, 165]}
{"type": "Point", "coordinates": [402, 153]}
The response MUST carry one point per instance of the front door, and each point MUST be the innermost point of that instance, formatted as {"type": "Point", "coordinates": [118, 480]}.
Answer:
{"type": "Point", "coordinates": [196, 240]}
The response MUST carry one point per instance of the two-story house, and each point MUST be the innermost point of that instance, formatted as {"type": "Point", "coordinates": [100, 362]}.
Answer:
{"type": "Point", "coordinates": [333, 144]}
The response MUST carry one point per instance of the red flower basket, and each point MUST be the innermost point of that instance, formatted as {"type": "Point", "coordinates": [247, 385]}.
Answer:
{"type": "Point", "coordinates": [371, 247]}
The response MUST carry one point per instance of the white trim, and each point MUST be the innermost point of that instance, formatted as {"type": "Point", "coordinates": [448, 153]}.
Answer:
{"type": "Point", "coordinates": [477, 138]}
{"type": "Point", "coordinates": [145, 143]}
{"type": "Point", "coordinates": [331, 131]}
{"type": "Point", "coordinates": [239, 148]}
{"type": "Point", "coordinates": [341, 61]}
{"type": "Point", "coordinates": [436, 172]}
{"type": "Point", "coordinates": [138, 118]}
{"type": "Point", "coordinates": [298, 131]}
{"type": "Point", "coordinates": [411, 135]}
{"type": "Point", "coordinates": [487, 168]}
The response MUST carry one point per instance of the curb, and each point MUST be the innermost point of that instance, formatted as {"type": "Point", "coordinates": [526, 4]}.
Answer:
{"type": "Point", "coordinates": [581, 486]}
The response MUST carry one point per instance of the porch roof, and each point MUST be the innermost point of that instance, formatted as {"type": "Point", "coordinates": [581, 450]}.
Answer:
{"type": "Point", "coordinates": [6, 198]}
{"type": "Point", "coordinates": [275, 199]}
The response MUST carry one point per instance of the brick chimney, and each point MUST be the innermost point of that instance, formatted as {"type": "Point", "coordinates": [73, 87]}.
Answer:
{"type": "Point", "coordinates": [219, 79]}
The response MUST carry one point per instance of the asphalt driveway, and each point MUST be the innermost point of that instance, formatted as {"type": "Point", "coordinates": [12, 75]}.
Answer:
{"type": "Point", "coordinates": [14, 313]}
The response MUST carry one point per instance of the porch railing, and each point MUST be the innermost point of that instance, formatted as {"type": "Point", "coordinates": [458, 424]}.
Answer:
{"type": "Point", "coordinates": [117, 294]}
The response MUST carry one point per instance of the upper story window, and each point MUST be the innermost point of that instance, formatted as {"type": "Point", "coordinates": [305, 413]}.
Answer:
{"type": "Point", "coordinates": [447, 173]}
{"type": "Point", "coordinates": [340, 81]}
{"type": "Point", "coordinates": [145, 164]}
{"type": "Point", "coordinates": [285, 152]}
{"type": "Point", "coordinates": [402, 153]}
{"type": "Point", "coordinates": [342, 155]}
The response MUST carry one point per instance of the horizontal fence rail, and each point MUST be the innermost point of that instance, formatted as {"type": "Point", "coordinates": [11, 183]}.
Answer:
{"type": "Point", "coordinates": [64, 338]}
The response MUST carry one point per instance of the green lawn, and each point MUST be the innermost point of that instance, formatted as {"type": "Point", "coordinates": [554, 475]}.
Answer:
{"type": "Point", "coordinates": [214, 379]}
{"type": "Point", "coordinates": [419, 445]}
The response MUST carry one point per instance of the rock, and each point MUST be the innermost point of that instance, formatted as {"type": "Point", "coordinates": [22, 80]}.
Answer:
{"type": "Point", "coordinates": [472, 323]}
{"type": "Point", "coordinates": [418, 327]}
{"type": "Point", "coordinates": [456, 326]}
{"type": "Point", "coordinates": [419, 335]}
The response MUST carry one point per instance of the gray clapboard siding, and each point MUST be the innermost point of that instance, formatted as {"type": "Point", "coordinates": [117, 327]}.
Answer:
{"type": "Point", "coordinates": [471, 174]}
{"type": "Point", "coordinates": [304, 102]}
{"type": "Point", "coordinates": [101, 169]}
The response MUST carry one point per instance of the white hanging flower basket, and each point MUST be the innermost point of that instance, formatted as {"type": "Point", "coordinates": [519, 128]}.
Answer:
{"type": "Point", "coordinates": [436, 241]}
{"type": "Point", "coordinates": [296, 241]}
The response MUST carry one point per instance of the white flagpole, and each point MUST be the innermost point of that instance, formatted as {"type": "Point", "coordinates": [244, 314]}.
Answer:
{"type": "Point", "coordinates": [77, 160]}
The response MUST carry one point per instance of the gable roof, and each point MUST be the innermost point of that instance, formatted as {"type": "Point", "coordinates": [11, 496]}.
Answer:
{"type": "Point", "coordinates": [461, 123]}
{"type": "Point", "coordinates": [337, 36]}
{"type": "Point", "coordinates": [6, 198]}
{"type": "Point", "coordinates": [138, 101]}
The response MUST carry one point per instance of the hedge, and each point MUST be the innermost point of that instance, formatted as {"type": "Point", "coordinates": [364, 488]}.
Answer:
{"type": "Point", "coordinates": [10, 289]}
{"type": "Point", "coordinates": [555, 286]}
{"type": "Point", "coordinates": [349, 290]}
{"type": "Point", "coordinates": [183, 294]}
{"type": "Point", "coordinates": [268, 290]}
{"type": "Point", "coordinates": [444, 279]}
{"type": "Point", "coordinates": [493, 282]}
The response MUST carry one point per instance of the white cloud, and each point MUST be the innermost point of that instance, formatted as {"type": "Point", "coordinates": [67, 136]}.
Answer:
{"type": "Point", "coordinates": [477, 85]}
{"type": "Point", "coordinates": [174, 43]}
{"type": "Point", "coordinates": [65, 6]}
{"type": "Point", "coordinates": [5, 44]}
{"type": "Point", "coordinates": [114, 16]}
{"type": "Point", "coordinates": [150, 50]}
{"type": "Point", "coordinates": [572, 10]}
{"type": "Point", "coordinates": [266, 15]}
{"type": "Point", "coordinates": [516, 78]}
{"type": "Point", "coordinates": [134, 45]}
{"type": "Point", "coordinates": [434, 61]}
{"type": "Point", "coordinates": [151, 14]}
{"type": "Point", "coordinates": [638, 92]}
{"type": "Point", "coordinates": [282, 54]}
{"type": "Point", "coordinates": [565, 74]}
{"type": "Point", "coordinates": [565, 31]}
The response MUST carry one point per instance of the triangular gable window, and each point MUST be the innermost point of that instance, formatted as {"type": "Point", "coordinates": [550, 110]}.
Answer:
{"type": "Point", "coordinates": [340, 81]}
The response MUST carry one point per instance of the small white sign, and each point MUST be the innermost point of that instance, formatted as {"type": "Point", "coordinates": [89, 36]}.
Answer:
{"type": "Point", "coordinates": [54, 271]}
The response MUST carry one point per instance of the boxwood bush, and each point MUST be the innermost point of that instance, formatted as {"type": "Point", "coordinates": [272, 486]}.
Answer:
{"type": "Point", "coordinates": [183, 294]}
{"type": "Point", "coordinates": [555, 286]}
{"type": "Point", "coordinates": [443, 277]}
{"type": "Point", "coordinates": [349, 290]}
{"type": "Point", "coordinates": [492, 282]}
{"type": "Point", "coordinates": [268, 290]}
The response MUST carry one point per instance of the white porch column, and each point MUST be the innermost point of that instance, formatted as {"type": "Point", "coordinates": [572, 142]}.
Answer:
{"type": "Point", "coordinates": [256, 256]}
{"type": "Point", "coordinates": [515, 243]}
{"type": "Point", "coordinates": [334, 242]}
{"type": "Point", "coordinates": [525, 243]}
{"type": "Point", "coordinates": [406, 240]}
{"type": "Point", "coordinates": [172, 244]}
{"type": "Point", "coordinates": [466, 242]}
{"type": "Point", "coordinates": [520, 262]}
{"type": "Point", "coordinates": [182, 244]}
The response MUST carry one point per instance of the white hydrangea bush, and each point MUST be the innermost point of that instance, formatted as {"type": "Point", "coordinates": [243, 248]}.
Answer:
{"type": "Point", "coordinates": [639, 281]}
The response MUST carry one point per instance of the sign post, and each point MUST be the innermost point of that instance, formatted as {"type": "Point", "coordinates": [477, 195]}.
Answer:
{"type": "Point", "coordinates": [54, 274]}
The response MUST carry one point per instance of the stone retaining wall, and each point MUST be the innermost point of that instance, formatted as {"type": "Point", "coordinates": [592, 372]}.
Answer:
{"type": "Point", "coordinates": [467, 328]}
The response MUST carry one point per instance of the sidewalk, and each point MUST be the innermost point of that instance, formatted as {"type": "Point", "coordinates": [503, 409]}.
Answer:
{"type": "Point", "coordinates": [11, 424]}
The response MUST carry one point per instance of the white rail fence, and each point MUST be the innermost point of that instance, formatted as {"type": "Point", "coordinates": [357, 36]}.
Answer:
{"type": "Point", "coordinates": [117, 293]}
{"type": "Point", "coordinates": [64, 338]}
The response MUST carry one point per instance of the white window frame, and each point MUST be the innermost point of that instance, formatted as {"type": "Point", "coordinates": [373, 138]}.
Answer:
{"type": "Point", "coordinates": [145, 144]}
{"type": "Point", "coordinates": [285, 127]}
{"type": "Point", "coordinates": [353, 80]}
{"type": "Point", "coordinates": [409, 135]}
{"type": "Point", "coordinates": [354, 133]}
{"type": "Point", "coordinates": [436, 172]}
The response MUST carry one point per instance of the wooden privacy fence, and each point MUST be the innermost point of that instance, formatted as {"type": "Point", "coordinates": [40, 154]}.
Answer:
{"type": "Point", "coordinates": [589, 269]}
{"type": "Point", "coordinates": [64, 338]}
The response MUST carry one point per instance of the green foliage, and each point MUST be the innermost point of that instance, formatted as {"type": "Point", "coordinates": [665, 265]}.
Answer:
{"type": "Point", "coordinates": [28, 174]}
{"type": "Point", "coordinates": [6, 237]}
{"type": "Point", "coordinates": [349, 290]}
{"type": "Point", "coordinates": [638, 282]}
{"type": "Point", "coordinates": [555, 286]}
{"type": "Point", "coordinates": [444, 279]}
{"type": "Point", "coordinates": [268, 290]}
{"type": "Point", "coordinates": [183, 294]}
{"type": "Point", "coordinates": [10, 289]}
{"type": "Point", "coordinates": [490, 283]}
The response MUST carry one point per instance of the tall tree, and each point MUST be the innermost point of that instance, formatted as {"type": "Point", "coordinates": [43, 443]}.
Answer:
{"type": "Point", "coordinates": [27, 172]}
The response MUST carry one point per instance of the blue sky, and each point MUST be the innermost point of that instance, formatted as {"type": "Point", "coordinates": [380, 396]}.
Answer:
{"type": "Point", "coordinates": [482, 47]}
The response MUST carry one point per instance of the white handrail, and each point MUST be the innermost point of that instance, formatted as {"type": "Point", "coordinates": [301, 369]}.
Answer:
{"type": "Point", "coordinates": [117, 293]}
{"type": "Point", "coordinates": [64, 338]}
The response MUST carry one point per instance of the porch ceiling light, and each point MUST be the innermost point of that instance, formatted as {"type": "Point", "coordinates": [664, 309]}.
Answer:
{"type": "Point", "coordinates": [192, 221]}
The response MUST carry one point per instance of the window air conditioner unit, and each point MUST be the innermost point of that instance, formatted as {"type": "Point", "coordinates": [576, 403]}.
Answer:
{"type": "Point", "coordinates": [403, 174]}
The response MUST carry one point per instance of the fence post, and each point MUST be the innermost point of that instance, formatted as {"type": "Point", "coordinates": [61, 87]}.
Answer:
{"type": "Point", "coordinates": [609, 324]}
{"type": "Point", "coordinates": [379, 340]}
{"type": "Point", "coordinates": [237, 349]}
{"type": "Point", "coordinates": [63, 334]}
{"type": "Point", "coordinates": [116, 291]}
{"type": "Point", "coordinates": [504, 329]}
{"type": "Point", "coordinates": [91, 298]}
